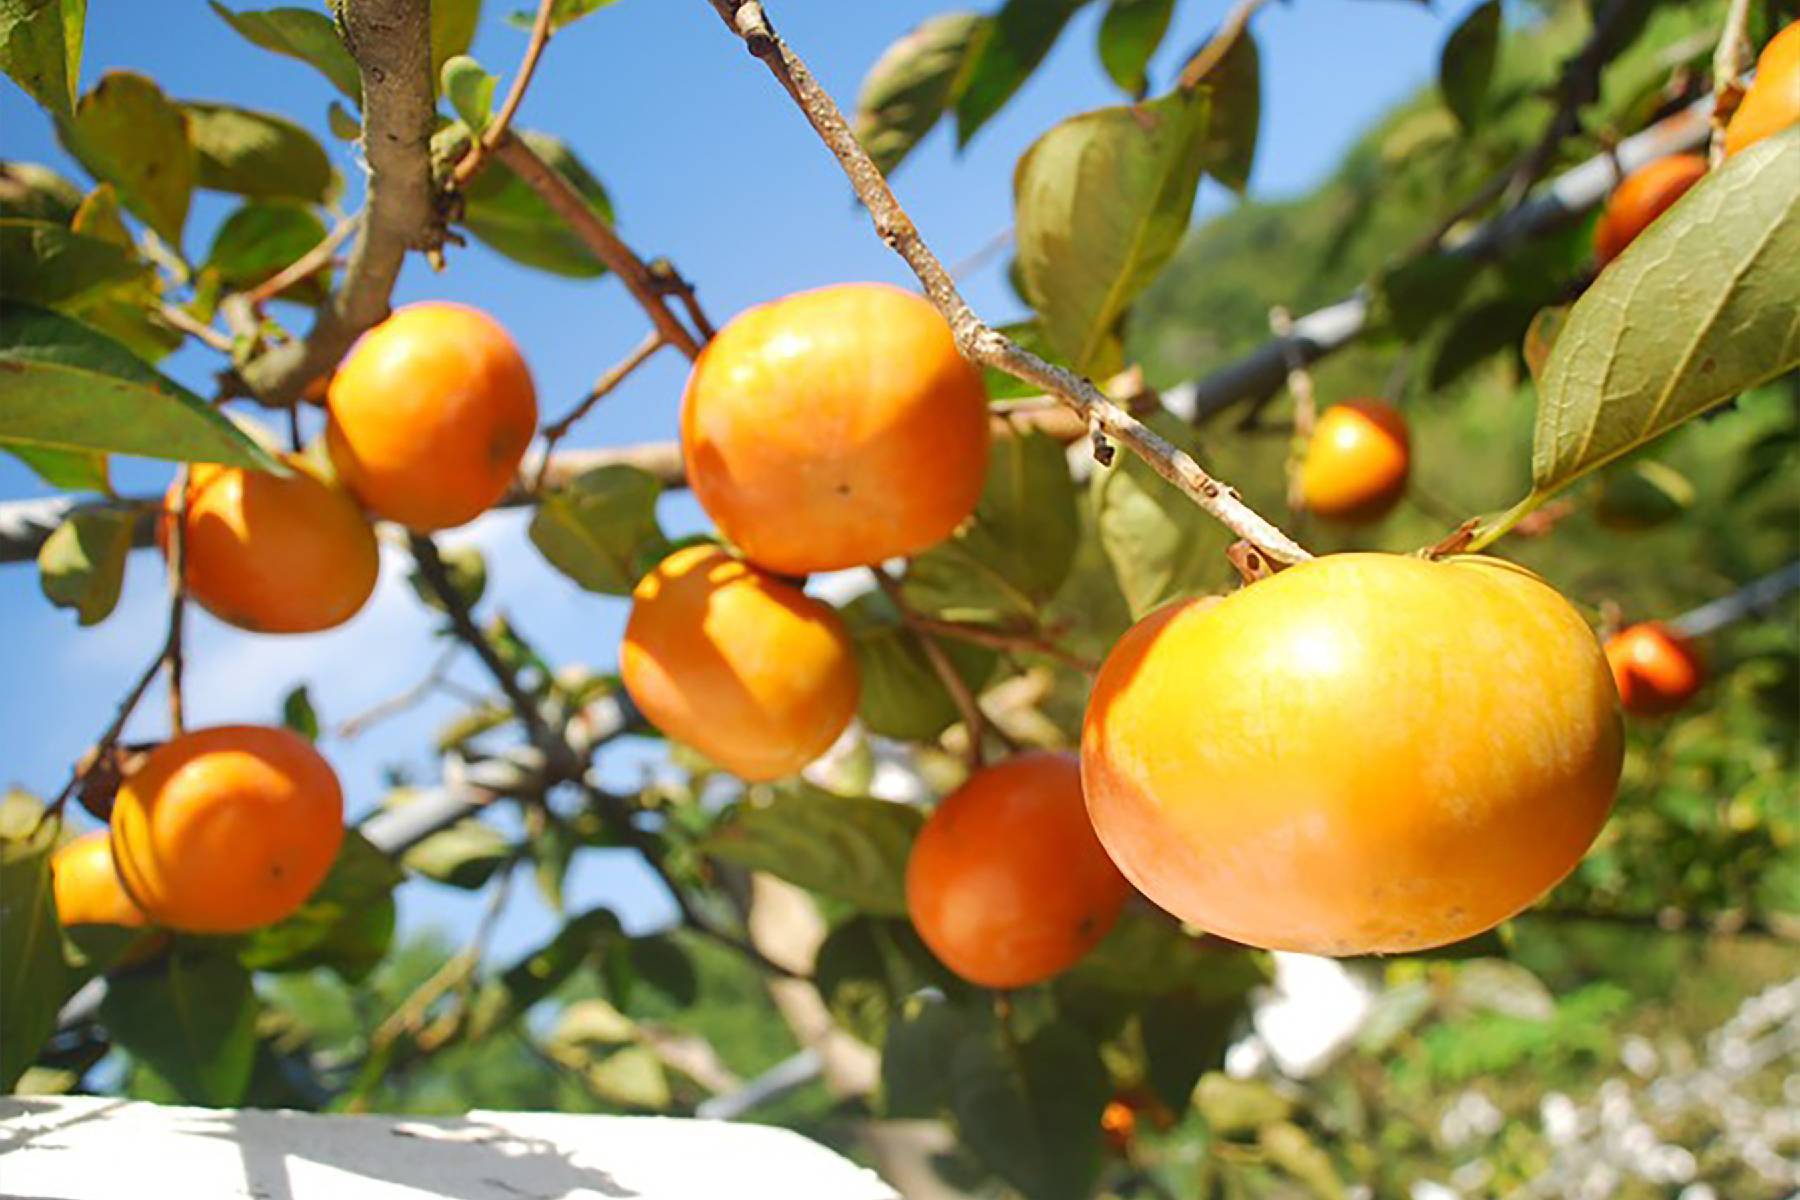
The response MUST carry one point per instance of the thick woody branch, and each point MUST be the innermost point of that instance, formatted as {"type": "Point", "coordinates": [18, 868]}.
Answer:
{"type": "Point", "coordinates": [391, 43]}
{"type": "Point", "coordinates": [979, 342]}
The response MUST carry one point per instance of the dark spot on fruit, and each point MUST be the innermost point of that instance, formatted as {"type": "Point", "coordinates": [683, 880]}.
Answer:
{"type": "Point", "coordinates": [843, 489]}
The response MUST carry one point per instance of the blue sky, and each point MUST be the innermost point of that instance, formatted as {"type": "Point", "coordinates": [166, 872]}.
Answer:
{"type": "Point", "coordinates": [708, 163]}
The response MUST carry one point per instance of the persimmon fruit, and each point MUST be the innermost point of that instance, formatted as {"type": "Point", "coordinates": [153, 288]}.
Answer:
{"type": "Point", "coordinates": [1640, 198]}
{"type": "Point", "coordinates": [1007, 883]}
{"type": "Point", "coordinates": [1656, 670]}
{"type": "Point", "coordinates": [1772, 102]}
{"type": "Point", "coordinates": [87, 887]}
{"type": "Point", "coordinates": [273, 555]}
{"type": "Point", "coordinates": [835, 428]}
{"type": "Point", "coordinates": [430, 415]}
{"type": "Point", "coordinates": [1365, 753]}
{"type": "Point", "coordinates": [227, 829]}
{"type": "Point", "coordinates": [1356, 462]}
{"type": "Point", "coordinates": [742, 666]}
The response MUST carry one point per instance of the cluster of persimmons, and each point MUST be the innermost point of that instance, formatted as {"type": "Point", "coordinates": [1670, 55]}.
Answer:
{"type": "Point", "coordinates": [1361, 753]}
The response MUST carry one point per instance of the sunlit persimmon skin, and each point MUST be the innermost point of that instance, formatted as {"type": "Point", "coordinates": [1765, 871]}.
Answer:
{"type": "Point", "coordinates": [1007, 883]}
{"type": "Point", "coordinates": [227, 829]}
{"type": "Point", "coordinates": [273, 555]}
{"type": "Point", "coordinates": [1357, 461]}
{"type": "Point", "coordinates": [1366, 753]}
{"type": "Point", "coordinates": [1640, 198]}
{"type": "Point", "coordinates": [430, 415]}
{"type": "Point", "coordinates": [88, 891]}
{"type": "Point", "coordinates": [1773, 101]}
{"type": "Point", "coordinates": [1656, 670]}
{"type": "Point", "coordinates": [742, 666]}
{"type": "Point", "coordinates": [835, 428]}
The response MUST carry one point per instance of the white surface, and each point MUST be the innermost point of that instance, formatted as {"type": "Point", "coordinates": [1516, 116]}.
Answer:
{"type": "Point", "coordinates": [84, 1148]}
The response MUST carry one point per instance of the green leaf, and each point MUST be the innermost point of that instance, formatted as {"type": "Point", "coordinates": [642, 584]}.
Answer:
{"type": "Point", "coordinates": [190, 1022]}
{"type": "Point", "coordinates": [1031, 1111]}
{"type": "Point", "coordinates": [302, 33]}
{"type": "Point", "coordinates": [71, 470]}
{"type": "Point", "coordinates": [1161, 545]}
{"type": "Point", "coordinates": [466, 570]}
{"type": "Point", "coordinates": [1100, 203]}
{"type": "Point", "coordinates": [258, 154]}
{"type": "Point", "coordinates": [850, 848]}
{"type": "Point", "coordinates": [552, 846]}
{"type": "Point", "coordinates": [660, 962]}
{"type": "Point", "coordinates": [1002, 57]}
{"type": "Point", "coordinates": [1147, 955]}
{"type": "Point", "coordinates": [262, 238]}
{"type": "Point", "coordinates": [1185, 1035]}
{"type": "Point", "coordinates": [1129, 34]}
{"type": "Point", "coordinates": [1234, 86]}
{"type": "Point", "coordinates": [1466, 68]}
{"type": "Point", "coordinates": [1239, 1105]}
{"type": "Point", "coordinates": [73, 388]}
{"type": "Point", "coordinates": [81, 565]}
{"type": "Point", "coordinates": [127, 133]}
{"type": "Point", "coordinates": [298, 714]}
{"type": "Point", "coordinates": [563, 12]}
{"type": "Point", "coordinates": [1642, 495]}
{"type": "Point", "coordinates": [867, 965]}
{"type": "Point", "coordinates": [503, 1000]}
{"type": "Point", "coordinates": [902, 696]}
{"type": "Point", "coordinates": [509, 216]}
{"type": "Point", "coordinates": [40, 47]}
{"type": "Point", "coordinates": [453, 25]}
{"type": "Point", "coordinates": [346, 924]}
{"type": "Point", "coordinates": [921, 1037]}
{"type": "Point", "coordinates": [911, 85]}
{"type": "Point", "coordinates": [56, 267]}
{"type": "Point", "coordinates": [470, 90]}
{"type": "Point", "coordinates": [342, 122]}
{"type": "Point", "coordinates": [32, 192]}
{"type": "Point", "coordinates": [127, 311]}
{"type": "Point", "coordinates": [34, 978]}
{"type": "Point", "coordinates": [1014, 554]}
{"type": "Point", "coordinates": [600, 529]}
{"type": "Point", "coordinates": [465, 855]}
{"type": "Point", "coordinates": [1699, 308]}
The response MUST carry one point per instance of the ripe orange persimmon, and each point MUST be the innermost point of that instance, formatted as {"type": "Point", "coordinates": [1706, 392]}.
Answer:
{"type": "Point", "coordinates": [1007, 883]}
{"type": "Point", "coordinates": [1356, 463]}
{"type": "Point", "coordinates": [835, 428]}
{"type": "Point", "coordinates": [87, 887]}
{"type": "Point", "coordinates": [430, 415]}
{"type": "Point", "coordinates": [1657, 671]}
{"type": "Point", "coordinates": [745, 668]}
{"type": "Point", "coordinates": [1366, 753]}
{"type": "Point", "coordinates": [1640, 198]}
{"type": "Point", "coordinates": [1773, 101]}
{"type": "Point", "coordinates": [273, 555]}
{"type": "Point", "coordinates": [227, 829]}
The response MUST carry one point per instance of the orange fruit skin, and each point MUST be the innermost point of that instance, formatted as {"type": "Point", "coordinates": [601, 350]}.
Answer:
{"type": "Point", "coordinates": [835, 428]}
{"type": "Point", "coordinates": [1640, 198]}
{"type": "Point", "coordinates": [1366, 753]}
{"type": "Point", "coordinates": [273, 555]}
{"type": "Point", "coordinates": [88, 891]}
{"type": "Point", "coordinates": [430, 415]}
{"type": "Point", "coordinates": [1356, 462]}
{"type": "Point", "coordinates": [1773, 101]}
{"type": "Point", "coordinates": [1657, 671]}
{"type": "Point", "coordinates": [227, 829]}
{"type": "Point", "coordinates": [1007, 883]}
{"type": "Point", "coordinates": [748, 670]}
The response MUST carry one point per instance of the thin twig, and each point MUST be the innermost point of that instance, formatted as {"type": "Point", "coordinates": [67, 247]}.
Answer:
{"type": "Point", "coordinates": [177, 599]}
{"type": "Point", "coordinates": [1306, 405]}
{"type": "Point", "coordinates": [597, 232]}
{"type": "Point", "coordinates": [490, 137]}
{"type": "Point", "coordinates": [610, 379]}
{"type": "Point", "coordinates": [185, 322]}
{"type": "Point", "coordinates": [670, 282]}
{"type": "Point", "coordinates": [319, 256]}
{"type": "Point", "coordinates": [618, 818]}
{"type": "Point", "coordinates": [462, 623]}
{"type": "Point", "coordinates": [979, 342]}
{"type": "Point", "coordinates": [982, 255]}
{"type": "Point", "coordinates": [410, 698]}
{"type": "Point", "coordinates": [409, 1015]}
{"type": "Point", "coordinates": [974, 720]}
{"type": "Point", "coordinates": [1732, 57]}
{"type": "Point", "coordinates": [1219, 45]}
{"type": "Point", "coordinates": [1019, 641]}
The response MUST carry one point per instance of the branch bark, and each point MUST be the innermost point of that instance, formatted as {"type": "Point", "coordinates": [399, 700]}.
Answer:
{"type": "Point", "coordinates": [391, 43]}
{"type": "Point", "coordinates": [979, 342]}
{"type": "Point", "coordinates": [1733, 56]}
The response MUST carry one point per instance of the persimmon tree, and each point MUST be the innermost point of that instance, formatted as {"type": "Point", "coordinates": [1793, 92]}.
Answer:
{"type": "Point", "coordinates": [1334, 753]}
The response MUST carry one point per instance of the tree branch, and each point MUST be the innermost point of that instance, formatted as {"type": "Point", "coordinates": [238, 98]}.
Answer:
{"type": "Point", "coordinates": [593, 229]}
{"type": "Point", "coordinates": [610, 379]}
{"type": "Point", "coordinates": [1733, 56]}
{"type": "Point", "coordinates": [391, 43]}
{"type": "Point", "coordinates": [979, 342]}
{"type": "Point", "coordinates": [305, 265]}
{"type": "Point", "coordinates": [492, 135]}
